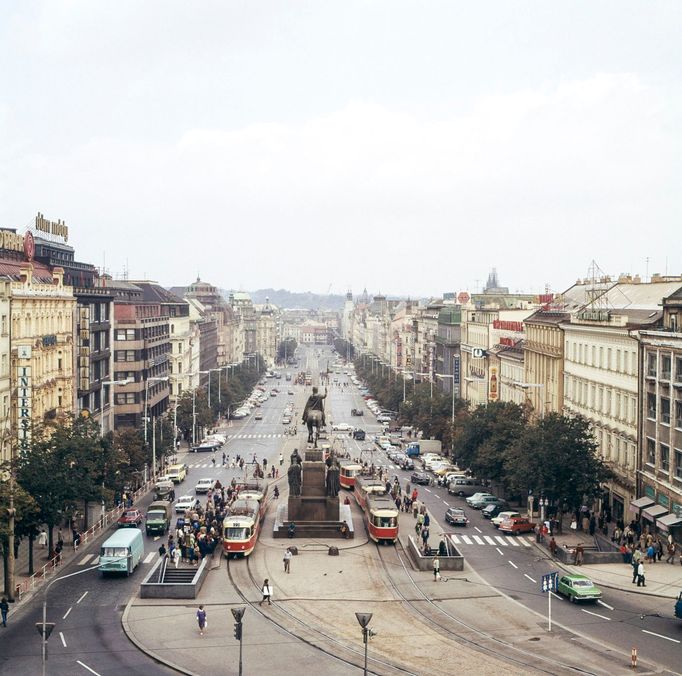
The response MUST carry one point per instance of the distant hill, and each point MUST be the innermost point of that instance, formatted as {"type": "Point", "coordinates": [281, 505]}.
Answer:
{"type": "Point", "coordinates": [288, 299]}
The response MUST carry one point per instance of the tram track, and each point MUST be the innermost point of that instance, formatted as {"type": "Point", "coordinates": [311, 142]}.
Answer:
{"type": "Point", "coordinates": [526, 658]}
{"type": "Point", "coordinates": [354, 657]}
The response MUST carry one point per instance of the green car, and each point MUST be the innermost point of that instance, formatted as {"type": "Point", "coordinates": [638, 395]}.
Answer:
{"type": "Point", "coordinates": [578, 588]}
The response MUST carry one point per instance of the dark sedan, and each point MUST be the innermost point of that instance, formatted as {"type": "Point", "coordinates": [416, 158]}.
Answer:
{"type": "Point", "coordinates": [420, 478]}
{"type": "Point", "coordinates": [456, 517]}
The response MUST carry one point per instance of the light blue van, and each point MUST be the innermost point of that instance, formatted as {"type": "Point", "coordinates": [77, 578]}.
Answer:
{"type": "Point", "coordinates": [122, 551]}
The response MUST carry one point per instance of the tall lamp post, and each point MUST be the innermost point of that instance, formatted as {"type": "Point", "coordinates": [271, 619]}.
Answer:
{"type": "Point", "coordinates": [363, 621]}
{"type": "Point", "coordinates": [154, 379]}
{"type": "Point", "coordinates": [109, 382]}
{"type": "Point", "coordinates": [527, 386]}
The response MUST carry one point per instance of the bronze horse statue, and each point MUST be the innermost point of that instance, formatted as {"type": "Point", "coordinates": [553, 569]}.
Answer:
{"type": "Point", "coordinates": [314, 420]}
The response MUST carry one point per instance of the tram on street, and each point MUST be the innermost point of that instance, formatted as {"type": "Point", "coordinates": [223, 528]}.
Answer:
{"type": "Point", "coordinates": [349, 470]}
{"type": "Point", "coordinates": [365, 486]}
{"type": "Point", "coordinates": [381, 517]}
{"type": "Point", "coordinates": [241, 527]}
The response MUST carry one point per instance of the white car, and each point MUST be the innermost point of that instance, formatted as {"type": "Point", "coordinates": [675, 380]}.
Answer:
{"type": "Point", "coordinates": [186, 503]}
{"type": "Point", "coordinates": [502, 516]}
{"type": "Point", "coordinates": [342, 427]}
{"type": "Point", "coordinates": [217, 437]}
{"type": "Point", "coordinates": [204, 485]}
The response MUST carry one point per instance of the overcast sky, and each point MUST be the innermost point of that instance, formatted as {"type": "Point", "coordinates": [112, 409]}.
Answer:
{"type": "Point", "coordinates": [406, 147]}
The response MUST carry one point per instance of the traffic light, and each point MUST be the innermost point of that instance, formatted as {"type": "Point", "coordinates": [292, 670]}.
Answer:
{"type": "Point", "coordinates": [238, 630]}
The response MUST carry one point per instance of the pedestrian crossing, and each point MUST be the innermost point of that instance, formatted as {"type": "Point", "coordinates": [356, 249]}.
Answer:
{"type": "Point", "coordinates": [494, 540]}
{"type": "Point", "coordinates": [256, 436]}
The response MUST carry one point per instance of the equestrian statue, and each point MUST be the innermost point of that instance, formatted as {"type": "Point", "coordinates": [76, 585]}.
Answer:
{"type": "Point", "coordinates": [313, 414]}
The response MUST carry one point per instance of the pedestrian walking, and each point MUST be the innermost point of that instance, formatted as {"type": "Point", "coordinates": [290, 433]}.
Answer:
{"type": "Point", "coordinates": [202, 621]}
{"type": "Point", "coordinates": [427, 520]}
{"type": "Point", "coordinates": [287, 560]}
{"type": "Point", "coordinates": [176, 556]}
{"type": "Point", "coordinates": [579, 554]}
{"type": "Point", "coordinates": [224, 458]}
{"type": "Point", "coordinates": [436, 569]}
{"type": "Point", "coordinates": [641, 582]}
{"type": "Point", "coordinates": [213, 460]}
{"type": "Point", "coordinates": [281, 459]}
{"type": "Point", "coordinates": [162, 550]}
{"type": "Point", "coordinates": [671, 553]}
{"type": "Point", "coordinates": [4, 609]}
{"type": "Point", "coordinates": [552, 547]}
{"type": "Point", "coordinates": [425, 536]}
{"type": "Point", "coordinates": [267, 592]}
{"type": "Point", "coordinates": [42, 539]}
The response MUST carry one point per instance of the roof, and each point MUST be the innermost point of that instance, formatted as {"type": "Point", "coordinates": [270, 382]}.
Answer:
{"type": "Point", "coordinates": [638, 296]}
{"type": "Point", "coordinates": [12, 268]}
{"type": "Point", "coordinates": [154, 293]}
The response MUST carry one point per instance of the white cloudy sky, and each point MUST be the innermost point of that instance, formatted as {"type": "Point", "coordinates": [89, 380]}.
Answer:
{"type": "Point", "coordinates": [403, 146]}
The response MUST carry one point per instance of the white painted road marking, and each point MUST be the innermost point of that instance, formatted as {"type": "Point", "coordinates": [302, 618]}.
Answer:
{"type": "Point", "coordinates": [501, 540]}
{"type": "Point", "coordinates": [561, 598]}
{"type": "Point", "coordinates": [61, 636]}
{"type": "Point", "coordinates": [447, 504]}
{"type": "Point", "coordinates": [85, 559]}
{"type": "Point", "coordinates": [500, 551]}
{"type": "Point", "coordinates": [149, 557]}
{"type": "Point", "coordinates": [85, 666]}
{"type": "Point", "coordinates": [667, 638]}
{"type": "Point", "coordinates": [589, 612]}
{"type": "Point", "coordinates": [478, 539]}
{"type": "Point", "coordinates": [477, 529]}
{"type": "Point", "coordinates": [606, 605]}
{"type": "Point", "coordinates": [511, 563]}
{"type": "Point", "coordinates": [82, 597]}
{"type": "Point", "coordinates": [66, 614]}
{"type": "Point", "coordinates": [455, 539]}
{"type": "Point", "coordinates": [530, 578]}
{"type": "Point", "coordinates": [466, 539]}
{"type": "Point", "coordinates": [427, 490]}
{"type": "Point", "coordinates": [525, 543]}
{"type": "Point", "coordinates": [489, 540]}
{"type": "Point", "coordinates": [513, 542]}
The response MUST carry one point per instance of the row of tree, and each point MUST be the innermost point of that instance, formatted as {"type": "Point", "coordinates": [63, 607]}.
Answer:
{"type": "Point", "coordinates": [553, 456]}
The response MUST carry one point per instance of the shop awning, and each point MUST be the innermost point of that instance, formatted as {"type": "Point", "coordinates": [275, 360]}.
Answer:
{"type": "Point", "coordinates": [668, 521]}
{"type": "Point", "coordinates": [654, 511]}
{"type": "Point", "coordinates": [640, 503]}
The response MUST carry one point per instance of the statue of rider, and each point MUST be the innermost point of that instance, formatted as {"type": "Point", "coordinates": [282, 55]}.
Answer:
{"type": "Point", "coordinates": [315, 403]}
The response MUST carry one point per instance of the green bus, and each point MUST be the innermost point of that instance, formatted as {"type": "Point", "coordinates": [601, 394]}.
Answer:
{"type": "Point", "coordinates": [122, 551]}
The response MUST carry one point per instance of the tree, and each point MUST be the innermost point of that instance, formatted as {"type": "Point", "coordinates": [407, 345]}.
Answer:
{"type": "Point", "coordinates": [187, 409]}
{"type": "Point", "coordinates": [556, 457]}
{"type": "Point", "coordinates": [286, 349]}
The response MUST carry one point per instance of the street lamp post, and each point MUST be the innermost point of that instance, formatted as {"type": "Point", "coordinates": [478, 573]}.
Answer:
{"type": "Point", "coordinates": [446, 375]}
{"type": "Point", "coordinates": [527, 386]}
{"type": "Point", "coordinates": [126, 381]}
{"type": "Point", "coordinates": [363, 621]}
{"type": "Point", "coordinates": [154, 379]}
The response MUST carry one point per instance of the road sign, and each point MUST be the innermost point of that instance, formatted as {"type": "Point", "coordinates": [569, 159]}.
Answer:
{"type": "Point", "coordinates": [49, 626]}
{"type": "Point", "coordinates": [549, 582]}
{"type": "Point", "coordinates": [477, 353]}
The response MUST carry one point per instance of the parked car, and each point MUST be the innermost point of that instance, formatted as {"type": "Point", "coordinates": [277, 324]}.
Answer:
{"type": "Point", "coordinates": [465, 487]}
{"type": "Point", "coordinates": [502, 516]}
{"type": "Point", "coordinates": [359, 434]}
{"type": "Point", "coordinates": [131, 517]}
{"type": "Point", "coordinates": [356, 411]}
{"type": "Point", "coordinates": [456, 517]}
{"type": "Point", "coordinates": [405, 462]}
{"type": "Point", "coordinates": [484, 501]}
{"type": "Point", "coordinates": [516, 525]}
{"type": "Point", "coordinates": [206, 446]}
{"type": "Point", "coordinates": [421, 478]}
{"type": "Point", "coordinates": [578, 588]}
{"type": "Point", "coordinates": [204, 485]}
{"type": "Point", "coordinates": [258, 416]}
{"type": "Point", "coordinates": [186, 503]}
{"type": "Point", "coordinates": [490, 511]}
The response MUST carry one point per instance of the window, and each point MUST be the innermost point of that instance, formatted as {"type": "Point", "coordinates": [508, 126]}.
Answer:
{"type": "Point", "coordinates": [678, 369]}
{"type": "Point", "coordinates": [666, 362]}
{"type": "Point", "coordinates": [618, 365]}
{"type": "Point", "coordinates": [125, 398]}
{"type": "Point", "coordinates": [665, 410]}
{"type": "Point", "coordinates": [601, 357]}
{"type": "Point", "coordinates": [650, 451]}
{"type": "Point", "coordinates": [651, 406]}
{"type": "Point", "coordinates": [678, 414]}
{"type": "Point", "coordinates": [678, 464]}
{"type": "Point", "coordinates": [607, 402]}
{"type": "Point", "coordinates": [665, 458]}
{"type": "Point", "coordinates": [609, 359]}
{"type": "Point", "coordinates": [626, 364]}
{"type": "Point", "coordinates": [618, 412]}
{"type": "Point", "coordinates": [651, 364]}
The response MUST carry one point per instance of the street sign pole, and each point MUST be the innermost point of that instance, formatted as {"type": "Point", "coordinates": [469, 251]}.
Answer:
{"type": "Point", "coordinates": [549, 585]}
{"type": "Point", "coordinates": [549, 610]}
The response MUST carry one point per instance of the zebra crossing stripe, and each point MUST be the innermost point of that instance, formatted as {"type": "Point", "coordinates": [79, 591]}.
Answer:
{"type": "Point", "coordinates": [501, 540]}
{"type": "Point", "coordinates": [149, 557]}
{"type": "Point", "coordinates": [525, 543]}
{"type": "Point", "coordinates": [478, 540]}
{"type": "Point", "coordinates": [466, 539]}
{"type": "Point", "coordinates": [512, 539]}
{"type": "Point", "coordinates": [489, 540]}
{"type": "Point", "coordinates": [455, 539]}
{"type": "Point", "coordinates": [85, 559]}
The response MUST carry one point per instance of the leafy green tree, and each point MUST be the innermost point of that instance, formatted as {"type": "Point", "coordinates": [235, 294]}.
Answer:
{"type": "Point", "coordinates": [286, 349]}
{"type": "Point", "coordinates": [556, 457]}
{"type": "Point", "coordinates": [205, 417]}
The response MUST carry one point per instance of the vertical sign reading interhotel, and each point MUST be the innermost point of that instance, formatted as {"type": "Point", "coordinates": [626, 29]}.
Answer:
{"type": "Point", "coordinates": [23, 395]}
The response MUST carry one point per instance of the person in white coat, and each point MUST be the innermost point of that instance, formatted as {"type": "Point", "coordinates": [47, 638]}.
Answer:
{"type": "Point", "coordinates": [42, 538]}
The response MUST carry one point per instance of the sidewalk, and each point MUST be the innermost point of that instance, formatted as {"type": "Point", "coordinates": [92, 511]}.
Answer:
{"type": "Point", "coordinates": [662, 579]}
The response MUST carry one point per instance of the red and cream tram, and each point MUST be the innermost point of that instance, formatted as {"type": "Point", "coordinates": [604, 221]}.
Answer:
{"type": "Point", "coordinates": [379, 510]}
{"type": "Point", "coordinates": [241, 525]}
{"type": "Point", "coordinates": [349, 470]}
{"type": "Point", "coordinates": [365, 486]}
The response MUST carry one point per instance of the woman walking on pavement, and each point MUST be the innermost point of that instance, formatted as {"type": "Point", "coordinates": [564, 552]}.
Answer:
{"type": "Point", "coordinates": [201, 620]}
{"type": "Point", "coordinates": [267, 592]}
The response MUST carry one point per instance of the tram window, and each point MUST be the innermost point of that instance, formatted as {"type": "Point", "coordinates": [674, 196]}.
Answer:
{"type": "Point", "coordinates": [237, 533]}
{"type": "Point", "coordinates": [384, 522]}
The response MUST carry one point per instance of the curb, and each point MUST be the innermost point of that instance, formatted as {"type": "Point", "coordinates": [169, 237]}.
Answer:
{"type": "Point", "coordinates": [142, 648]}
{"type": "Point", "coordinates": [570, 571]}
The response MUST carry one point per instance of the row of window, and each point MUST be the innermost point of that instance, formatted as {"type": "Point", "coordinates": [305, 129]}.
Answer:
{"type": "Point", "coordinates": [663, 460]}
{"type": "Point", "coordinates": [660, 409]}
{"type": "Point", "coordinates": [659, 365]}
{"type": "Point", "coordinates": [137, 355]}
{"type": "Point", "coordinates": [609, 401]}
{"type": "Point", "coordinates": [615, 448]}
{"type": "Point", "coordinates": [611, 359]}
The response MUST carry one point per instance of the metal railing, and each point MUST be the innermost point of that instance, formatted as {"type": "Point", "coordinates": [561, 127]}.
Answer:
{"type": "Point", "coordinates": [50, 569]}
